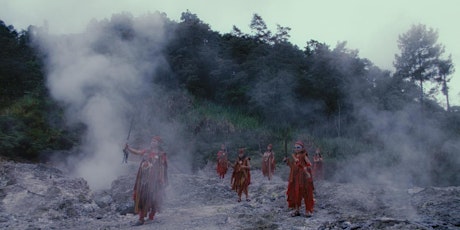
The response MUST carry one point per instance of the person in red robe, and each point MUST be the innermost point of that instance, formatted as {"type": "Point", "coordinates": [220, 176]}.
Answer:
{"type": "Point", "coordinates": [222, 162]}
{"type": "Point", "coordinates": [151, 180]}
{"type": "Point", "coordinates": [300, 185]}
{"type": "Point", "coordinates": [268, 162]}
{"type": "Point", "coordinates": [241, 176]}
{"type": "Point", "coordinates": [318, 165]}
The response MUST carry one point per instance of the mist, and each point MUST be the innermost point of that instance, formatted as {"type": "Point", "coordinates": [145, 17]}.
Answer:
{"type": "Point", "coordinates": [104, 77]}
{"type": "Point", "coordinates": [404, 146]}
{"type": "Point", "coordinates": [409, 147]}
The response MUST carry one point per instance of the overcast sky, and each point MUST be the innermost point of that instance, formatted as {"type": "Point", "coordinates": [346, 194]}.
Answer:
{"type": "Point", "coordinates": [371, 27]}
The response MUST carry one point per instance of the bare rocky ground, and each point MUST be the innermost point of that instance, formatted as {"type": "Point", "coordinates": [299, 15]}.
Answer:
{"type": "Point", "coordinates": [37, 196]}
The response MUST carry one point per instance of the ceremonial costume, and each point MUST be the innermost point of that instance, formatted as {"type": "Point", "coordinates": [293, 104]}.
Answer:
{"type": "Point", "coordinates": [241, 176]}
{"type": "Point", "coordinates": [151, 180]}
{"type": "Point", "coordinates": [222, 163]}
{"type": "Point", "coordinates": [300, 185]}
{"type": "Point", "coordinates": [268, 162]}
{"type": "Point", "coordinates": [318, 167]}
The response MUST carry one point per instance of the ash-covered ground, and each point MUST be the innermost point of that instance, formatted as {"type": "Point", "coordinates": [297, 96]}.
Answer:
{"type": "Point", "coordinates": [38, 196]}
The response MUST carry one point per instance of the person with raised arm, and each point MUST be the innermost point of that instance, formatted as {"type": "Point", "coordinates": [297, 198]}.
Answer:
{"type": "Point", "coordinates": [151, 179]}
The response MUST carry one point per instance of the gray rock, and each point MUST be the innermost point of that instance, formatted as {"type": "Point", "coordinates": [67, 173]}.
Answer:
{"type": "Point", "coordinates": [42, 197]}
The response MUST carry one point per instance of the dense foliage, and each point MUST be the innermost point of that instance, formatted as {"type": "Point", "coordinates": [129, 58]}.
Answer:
{"type": "Point", "coordinates": [253, 88]}
{"type": "Point", "coordinates": [30, 121]}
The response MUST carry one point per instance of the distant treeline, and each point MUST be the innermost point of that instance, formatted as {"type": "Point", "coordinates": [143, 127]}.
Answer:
{"type": "Point", "coordinates": [283, 91]}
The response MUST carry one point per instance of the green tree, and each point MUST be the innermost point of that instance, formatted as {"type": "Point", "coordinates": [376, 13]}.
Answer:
{"type": "Point", "coordinates": [282, 34]}
{"type": "Point", "coordinates": [259, 28]}
{"type": "Point", "coordinates": [445, 68]}
{"type": "Point", "coordinates": [237, 32]}
{"type": "Point", "coordinates": [20, 68]}
{"type": "Point", "coordinates": [419, 56]}
{"type": "Point", "coordinates": [191, 54]}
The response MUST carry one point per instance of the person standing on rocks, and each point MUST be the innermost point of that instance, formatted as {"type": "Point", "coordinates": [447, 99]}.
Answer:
{"type": "Point", "coordinates": [241, 177]}
{"type": "Point", "coordinates": [268, 162]}
{"type": "Point", "coordinates": [222, 162]}
{"type": "Point", "coordinates": [151, 180]}
{"type": "Point", "coordinates": [300, 185]}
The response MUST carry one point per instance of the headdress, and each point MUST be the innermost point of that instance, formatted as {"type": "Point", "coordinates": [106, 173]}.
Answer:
{"type": "Point", "coordinates": [299, 142]}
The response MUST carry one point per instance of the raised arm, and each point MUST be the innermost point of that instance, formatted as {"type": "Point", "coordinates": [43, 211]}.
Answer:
{"type": "Point", "coordinates": [134, 151]}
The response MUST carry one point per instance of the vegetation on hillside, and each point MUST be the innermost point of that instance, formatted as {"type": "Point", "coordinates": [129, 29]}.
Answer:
{"type": "Point", "coordinates": [254, 89]}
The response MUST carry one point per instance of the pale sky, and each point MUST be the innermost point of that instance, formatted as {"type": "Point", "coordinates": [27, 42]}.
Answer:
{"type": "Point", "coordinates": [372, 27]}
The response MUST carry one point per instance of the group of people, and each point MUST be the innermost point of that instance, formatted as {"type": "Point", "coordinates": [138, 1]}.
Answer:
{"type": "Point", "coordinates": [152, 176]}
{"type": "Point", "coordinates": [300, 185]}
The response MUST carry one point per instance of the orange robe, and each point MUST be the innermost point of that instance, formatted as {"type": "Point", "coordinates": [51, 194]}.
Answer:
{"type": "Point", "coordinates": [222, 163]}
{"type": "Point", "coordinates": [241, 177]}
{"type": "Point", "coordinates": [268, 164]}
{"type": "Point", "coordinates": [300, 186]}
{"type": "Point", "coordinates": [150, 182]}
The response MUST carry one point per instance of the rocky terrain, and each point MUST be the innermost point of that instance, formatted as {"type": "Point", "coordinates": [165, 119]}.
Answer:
{"type": "Point", "coordinates": [38, 196]}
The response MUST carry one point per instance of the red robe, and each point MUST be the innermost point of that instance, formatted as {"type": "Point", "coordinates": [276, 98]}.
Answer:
{"type": "Point", "coordinates": [300, 186]}
{"type": "Point", "coordinates": [222, 163]}
{"type": "Point", "coordinates": [150, 182]}
{"type": "Point", "coordinates": [268, 164]}
{"type": "Point", "coordinates": [318, 168]}
{"type": "Point", "coordinates": [241, 177]}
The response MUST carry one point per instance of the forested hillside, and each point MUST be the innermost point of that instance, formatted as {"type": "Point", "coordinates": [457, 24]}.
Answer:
{"type": "Point", "coordinates": [199, 88]}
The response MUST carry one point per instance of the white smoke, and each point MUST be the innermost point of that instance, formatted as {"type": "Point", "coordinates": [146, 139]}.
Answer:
{"type": "Point", "coordinates": [99, 75]}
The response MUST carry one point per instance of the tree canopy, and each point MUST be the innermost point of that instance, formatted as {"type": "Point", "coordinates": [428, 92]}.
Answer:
{"type": "Point", "coordinates": [327, 92]}
{"type": "Point", "coordinates": [420, 58]}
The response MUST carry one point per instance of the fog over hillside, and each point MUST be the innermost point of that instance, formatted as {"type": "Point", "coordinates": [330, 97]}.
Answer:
{"type": "Point", "coordinates": [105, 78]}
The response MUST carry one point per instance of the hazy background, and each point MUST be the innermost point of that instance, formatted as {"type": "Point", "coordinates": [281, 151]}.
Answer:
{"type": "Point", "coordinates": [372, 27]}
{"type": "Point", "coordinates": [104, 81]}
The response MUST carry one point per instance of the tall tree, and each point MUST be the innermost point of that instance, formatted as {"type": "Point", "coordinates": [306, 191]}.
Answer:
{"type": "Point", "coordinates": [282, 34]}
{"type": "Point", "coordinates": [237, 32]}
{"type": "Point", "coordinates": [445, 68]}
{"type": "Point", "coordinates": [259, 28]}
{"type": "Point", "coordinates": [419, 56]}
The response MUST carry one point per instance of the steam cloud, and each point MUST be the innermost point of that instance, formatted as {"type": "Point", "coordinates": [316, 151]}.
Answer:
{"type": "Point", "coordinates": [411, 150]}
{"type": "Point", "coordinates": [103, 77]}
